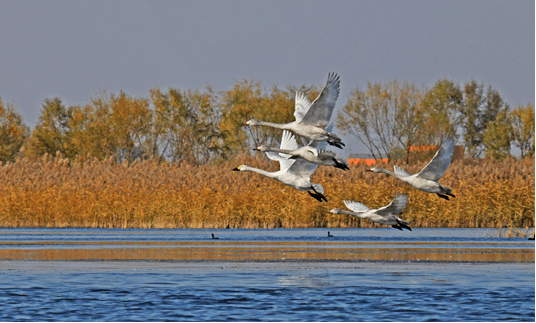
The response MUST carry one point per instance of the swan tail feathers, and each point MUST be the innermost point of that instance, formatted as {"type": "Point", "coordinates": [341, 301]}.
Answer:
{"type": "Point", "coordinates": [318, 188]}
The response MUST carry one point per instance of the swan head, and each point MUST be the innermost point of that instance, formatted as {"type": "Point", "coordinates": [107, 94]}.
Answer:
{"type": "Point", "coordinates": [336, 211]}
{"type": "Point", "coordinates": [252, 122]}
{"type": "Point", "coordinates": [447, 190]}
{"type": "Point", "coordinates": [375, 170]}
{"type": "Point", "coordinates": [262, 148]}
{"type": "Point", "coordinates": [240, 168]}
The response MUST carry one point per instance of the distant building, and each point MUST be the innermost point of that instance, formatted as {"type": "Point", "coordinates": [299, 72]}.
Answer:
{"type": "Point", "coordinates": [366, 161]}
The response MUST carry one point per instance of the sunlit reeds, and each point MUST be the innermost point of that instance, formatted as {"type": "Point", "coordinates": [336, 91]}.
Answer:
{"type": "Point", "coordinates": [57, 192]}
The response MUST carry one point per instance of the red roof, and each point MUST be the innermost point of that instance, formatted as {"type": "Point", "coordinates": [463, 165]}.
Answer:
{"type": "Point", "coordinates": [368, 162]}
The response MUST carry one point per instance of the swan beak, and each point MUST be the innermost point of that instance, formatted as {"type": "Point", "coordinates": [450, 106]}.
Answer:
{"type": "Point", "coordinates": [245, 124]}
{"type": "Point", "coordinates": [257, 149]}
{"type": "Point", "coordinates": [236, 169]}
{"type": "Point", "coordinates": [368, 170]}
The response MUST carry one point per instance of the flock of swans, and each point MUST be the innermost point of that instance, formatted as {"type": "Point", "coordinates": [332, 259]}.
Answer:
{"type": "Point", "coordinates": [297, 164]}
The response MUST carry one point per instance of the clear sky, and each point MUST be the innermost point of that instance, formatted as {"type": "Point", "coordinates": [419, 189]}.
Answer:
{"type": "Point", "coordinates": [76, 49]}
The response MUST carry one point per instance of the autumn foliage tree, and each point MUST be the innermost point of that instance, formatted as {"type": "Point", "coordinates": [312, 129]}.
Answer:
{"type": "Point", "coordinates": [522, 120]}
{"type": "Point", "coordinates": [370, 116]}
{"type": "Point", "coordinates": [479, 109]}
{"type": "Point", "coordinates": [199, 127]}
{"type": "Point", "coordinates": [185, 126]}
{"type": "Point", "coordinates": [498, 136]}
{"type": "Point", "coordinates": [247, 101]}
{"type": "Point", "coordinates": [13, 131]}
{"type": "Point", "coordinates": [384, 116]}
{"type": "Point", "coordinates": [441, 110]}
{"type": "Point", "coordinates": [52, 132]}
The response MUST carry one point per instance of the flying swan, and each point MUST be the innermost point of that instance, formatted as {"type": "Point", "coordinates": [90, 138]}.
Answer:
{"type": "Point", "coordinates": [385, 215]}
{"type": "Point", "coordinates": [295, 173]}
{"type": "Point", "coordinates": [427, 179]}
{"type": "Point", "coordinates": [314, 153]}
{"type": "Point", "coordinates": [312, 118]}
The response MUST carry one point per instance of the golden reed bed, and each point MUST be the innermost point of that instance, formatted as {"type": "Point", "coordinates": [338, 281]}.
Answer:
{"type": "Point", "coordinates": [56, 192]}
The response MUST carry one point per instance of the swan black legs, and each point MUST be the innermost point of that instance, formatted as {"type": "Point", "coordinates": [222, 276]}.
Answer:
{"type": "Point", "coordinates": [318, 196]}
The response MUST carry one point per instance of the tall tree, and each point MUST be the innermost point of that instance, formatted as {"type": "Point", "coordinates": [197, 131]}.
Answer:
{"type": "Point", "coordinates": [13, 131]}
{"type": "Point", "coordinates": [90, 132]}
{"type": "Point", "coordinates": [497, 136]}
{"type": "Point", "coordinates": [409, 128]}
{"type": "Point", "coordinates": [110, 125]}
{"type": "Point", "coordinates": [442, 106]}
{"type": "Point", "coordinates": [52, 132]}
{"type": "Point", "coordinates": [246, 101]}
{"type": "Point", "coordinates": [480, 107]}
{"type": "Point", "coordinates": [186, 126]}
{"type": "Point", "coordinates": [208, 141]}
{"type": "Point", "coordinates": [371, 117]}
{"type": "Point", "coordinates": [522, 120]}
{"type": "Point", "coordinates": [130, 120]}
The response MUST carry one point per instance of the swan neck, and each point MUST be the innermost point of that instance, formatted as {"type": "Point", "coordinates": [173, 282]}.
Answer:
{"type": "Point", "coordinates": [351, 213]}
{"type": "Point", "coordinates": [388, 172]}
{"type": "Point", "coordinates": [277, 150]}
{"type": "Point", "coordinates": [274, 125]}
{"type": "Point", "coordinates": [259, 171]}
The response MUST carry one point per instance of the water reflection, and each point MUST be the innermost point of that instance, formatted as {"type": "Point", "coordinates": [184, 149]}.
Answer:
{"type": "Point", "coordinates": [275, 253]}
{"type": "Point", "coordinates": [445, 245]}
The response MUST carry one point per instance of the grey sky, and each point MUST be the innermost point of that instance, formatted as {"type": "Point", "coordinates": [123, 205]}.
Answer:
{"type": "Point", "coordinates": [75, 49]}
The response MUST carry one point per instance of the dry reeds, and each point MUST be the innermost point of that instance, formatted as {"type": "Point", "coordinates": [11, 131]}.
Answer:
{"type": "Point", "coordinates": [57, 192]}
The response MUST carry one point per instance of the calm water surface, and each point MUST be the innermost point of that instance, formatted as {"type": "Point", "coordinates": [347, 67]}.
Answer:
{"type": "Point", "coordinates": [294, 279]}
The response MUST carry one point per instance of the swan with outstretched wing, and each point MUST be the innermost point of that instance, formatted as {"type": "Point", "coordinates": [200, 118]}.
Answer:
{"type": "Point", "coordinates": [312, 118]}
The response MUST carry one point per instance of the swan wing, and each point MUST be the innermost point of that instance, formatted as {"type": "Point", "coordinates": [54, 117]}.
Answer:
{"type": "Point", "coordinates": [299, 166]}
{"type": "Point", "coordinates": [356, 206]}
{"type": "Point", "coordinates": [277, 156]}
{"type": "Point", "coordinates": [326, 154]}
{"type": "Point", "coordinates": [400, 171]}
{"type": "Point", "coordinates": [439, 164]}
{"type": "Point", "coordinates": [288, 142]}
{"type": "Point", "coordinates": [302, 105]}
{"type": "Point", "coordinates": [302, 168]}
{"type": "Point", "coordinates": [319, 113]}
{"type": "Point", "coordinates": [395, 207]}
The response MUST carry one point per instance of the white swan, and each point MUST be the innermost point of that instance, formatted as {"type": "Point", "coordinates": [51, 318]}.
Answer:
{"type": "Point", "coordinates": [427, 179]}
{"type": "Point", "coordinates": [385, 215]}
{"type": "Point", "coordinates": [314, 152]}
{"type": "Point", "coordinates": [295, 173]}
{"type": "Point", "coordinates": [312, 118]}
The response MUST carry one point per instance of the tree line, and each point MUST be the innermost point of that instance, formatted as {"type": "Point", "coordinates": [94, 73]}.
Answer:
{"type": "Point", "coordinates": [199, 127]}
{"type": "Point", "coordinates": [391, 118]}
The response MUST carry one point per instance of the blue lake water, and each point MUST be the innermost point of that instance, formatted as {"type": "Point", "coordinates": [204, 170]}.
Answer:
{"type": "Point", "coordinates": [315, 289]}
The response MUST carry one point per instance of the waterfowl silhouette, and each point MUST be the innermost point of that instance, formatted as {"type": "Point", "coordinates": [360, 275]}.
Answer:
{"type": "Point", "coordinates": [427, 179]}
{"type": "Point", "coordinates": [312, 118]}
{"type": "Point", "coordinates": [314, 152]}
{"type": "Point", "coordinates": [295, 173]}
{"type": "Point", "coordinates": [385, 215]}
